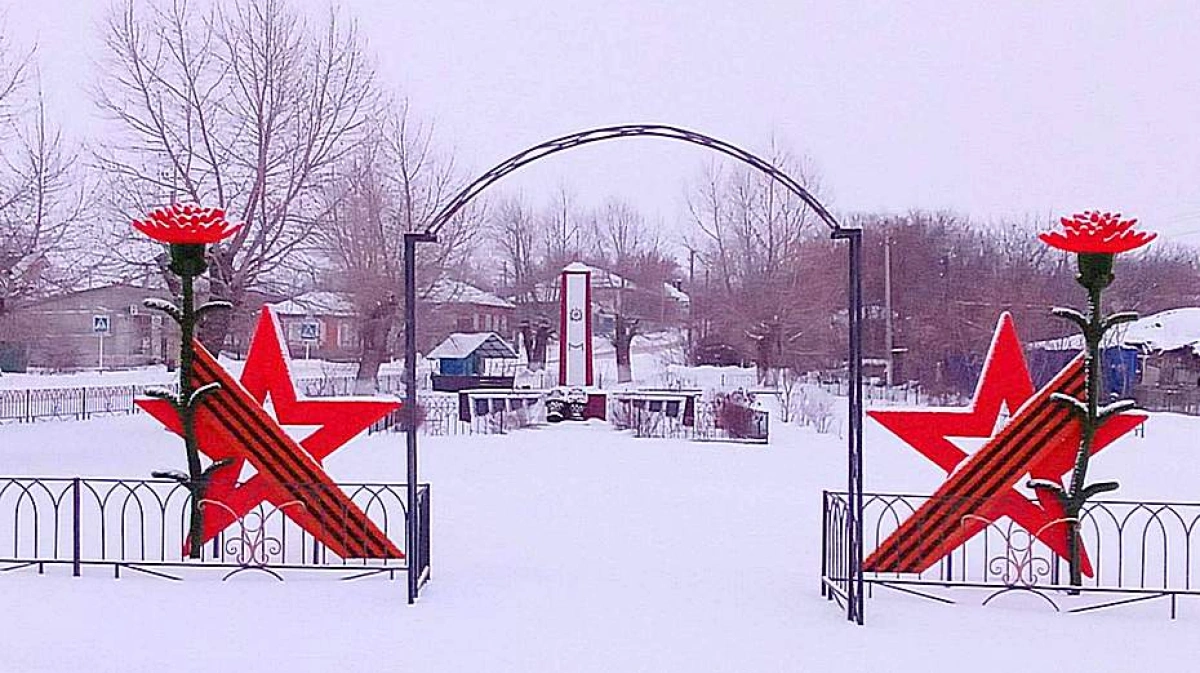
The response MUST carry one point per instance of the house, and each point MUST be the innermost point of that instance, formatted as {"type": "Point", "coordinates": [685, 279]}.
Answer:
{"type": "Point", "coordinates": [320, 325]}
{"type": "Point", "coordinates": [473, 360]}
{"type": "Point", "coordinates": [453, 306]}
{"type": "Point", "coordinates": [326, 325]}
{"type": "Point", "coordinates": [1155, 359]}
{"type": "Point", "coordinates": [101, 327]}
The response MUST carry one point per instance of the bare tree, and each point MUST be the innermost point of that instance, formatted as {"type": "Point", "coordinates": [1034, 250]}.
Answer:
{"type": "Point", "coordinates": [41, 202]}
{"type": "Point", "coordinates": [244, 106]}
{"type": "Point", "coordinates": [562, 232]}
{"type": "Point", "coordinates": [622, 339]}
{"type": "Point", "coordinates": [394, 183]}
{"type": "Point", "coordinates": [513, 229]}
{"type": "Point", "coordinates": [752, 237]}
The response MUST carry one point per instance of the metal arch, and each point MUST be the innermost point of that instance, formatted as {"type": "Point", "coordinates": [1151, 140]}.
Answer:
{"type": "Point", "coordinates": [577, 139]}
{"type": "Point", "coordinates": [853, 235]}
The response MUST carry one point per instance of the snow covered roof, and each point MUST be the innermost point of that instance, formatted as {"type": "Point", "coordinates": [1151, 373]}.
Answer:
{"type": "Point", "coordinates": [459, 345]}
{"type": "Point", "coordinates": [676, 294]}
{"type": "Point", "coordinates": [1166, 331]}
{"type": "Point", "coordinates": [448, 291]}
{"type": "Point", "coordinates": [316, 303]}
{"type": "Point", "coordinates": [600, 277]}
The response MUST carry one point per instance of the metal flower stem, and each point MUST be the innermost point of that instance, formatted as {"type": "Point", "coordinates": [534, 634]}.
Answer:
{"type": "Point", "coordinates": [187, 416]}
{"type": "Point", "coordinates": [187, 260]}
{"type": "Point", "coordinates": [1095, 274]}
{"type": "Point", "coordinates": [1074, 505]}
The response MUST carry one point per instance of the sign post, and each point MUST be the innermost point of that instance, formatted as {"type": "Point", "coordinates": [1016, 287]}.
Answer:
{"type": "Point", "coordinates": [101, 327]}
{"type": "Point", "coordinates": [310, 333]}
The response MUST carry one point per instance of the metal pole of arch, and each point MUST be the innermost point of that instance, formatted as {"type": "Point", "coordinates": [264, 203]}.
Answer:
{"type": "Point", "coordinates": [854, 476]}
{"type": "Point", "coordinates": [411, 525]}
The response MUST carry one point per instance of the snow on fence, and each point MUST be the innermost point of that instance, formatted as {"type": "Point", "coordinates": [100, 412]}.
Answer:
{"type": "Point", "coordinates": [37, 404]}
{"type": "Point", "coordinates": [718, 420]}
{"type": "Point", "coordinates": [141, 525]}
{"type": "Point", "coordinates": [438, 415]}
{"type": "Point", "coordinates": [1177, 400]}
{"type": "Point", "coordinates": [1139, 551]}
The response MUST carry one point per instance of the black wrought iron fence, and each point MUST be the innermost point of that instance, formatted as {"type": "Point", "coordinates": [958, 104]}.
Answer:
{"type": "Point", "coordinates": [142, 525]}
{"type": "Point", "coordinates": [1144, 550]}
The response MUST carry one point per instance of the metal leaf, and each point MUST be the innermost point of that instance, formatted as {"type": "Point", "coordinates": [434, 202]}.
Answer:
{"type": "Point", "coordinates": [165, 306]}
{"type": "Point", "coordinates": [202, 392]}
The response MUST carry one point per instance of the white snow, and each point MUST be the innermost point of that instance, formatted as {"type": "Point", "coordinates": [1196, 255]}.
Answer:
{"type": "Point", "coordinates": [450, 291]}
{"type": "Point", "coordinates": [316, 303]}
{"type": "Point", "coordinates": [578, 548]}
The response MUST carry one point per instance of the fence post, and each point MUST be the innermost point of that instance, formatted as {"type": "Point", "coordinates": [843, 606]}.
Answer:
{"type": "Point", "coordinates": [76, 566]}
{"type": "Point", "coordinates": [28, 405]}
{"type": "Point", "coordinates": [824, 539]}
{"type": "Point", "coordinates": [83, 414]}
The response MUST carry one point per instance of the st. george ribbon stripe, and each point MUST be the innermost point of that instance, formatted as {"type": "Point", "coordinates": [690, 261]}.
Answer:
{"type": "Point", "coordinates": [285, 474]}
{"type": "Point", "coordinates": [966, 487]}
{"type": "Point", "coordinates": [943, 512]}
{"type": "Point", "coordinates": [946, 540]}
{"type": "Point", "coordinates": [987, 474]}
{"type": "Point", "coordinates": [295, 475]}
{"type": "Point", "coordinates": [331, 505]}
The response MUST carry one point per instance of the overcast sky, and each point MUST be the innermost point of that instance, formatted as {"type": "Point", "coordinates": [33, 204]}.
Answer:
{"type": "Point", "coordinates": [993, 109]}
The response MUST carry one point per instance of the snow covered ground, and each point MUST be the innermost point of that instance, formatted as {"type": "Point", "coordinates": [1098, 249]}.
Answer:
{"type": "Point", "coordinates": [578, 548]}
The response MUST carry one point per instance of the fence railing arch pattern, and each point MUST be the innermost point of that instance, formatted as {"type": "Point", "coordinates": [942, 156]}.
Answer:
{"type": "Point", "coordinates": [1142, 550]}
{"type": "Point", "coordinates": [142, 524]}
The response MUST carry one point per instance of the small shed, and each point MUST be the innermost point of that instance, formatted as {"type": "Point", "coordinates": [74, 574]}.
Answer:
{"type": "Point", "coordinates": [467, 361]}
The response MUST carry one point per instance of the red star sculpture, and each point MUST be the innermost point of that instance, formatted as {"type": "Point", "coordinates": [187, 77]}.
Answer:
{"type": "Point", "coordinates": [266, 376]}
{"type": "Point", "coordinates": [1039, 440]}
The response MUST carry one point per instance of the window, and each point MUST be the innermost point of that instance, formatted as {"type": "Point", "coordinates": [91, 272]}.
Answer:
{"type": "Point", "coordinates": [347, 338]}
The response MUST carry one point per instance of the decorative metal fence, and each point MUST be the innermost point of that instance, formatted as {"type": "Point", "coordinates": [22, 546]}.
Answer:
{"type": "Point", "coordinates": [1138, 551]}
{"type": "Point", "coordinates": [440, 416]}
{"type": "Point", "coordinates": [142, 525]}
{"type": "Point", "coordinates": [1177, 400]}
{"type": "Point", "coordinates": [39, 404]}
{"type": "Point", "coordinates": [659, 419]}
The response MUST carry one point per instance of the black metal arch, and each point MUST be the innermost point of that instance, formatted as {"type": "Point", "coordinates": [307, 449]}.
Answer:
{"type": "Point", "coordinates": [852, 589]}
{"type": "Point", "coordinates": [580, 138]}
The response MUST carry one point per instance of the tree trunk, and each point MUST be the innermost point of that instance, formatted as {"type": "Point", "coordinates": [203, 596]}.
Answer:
{"type": "Point", "coordinates": [537, 352]}
{"type": "Point", "coordinates": [374, 338]}
{"type": "Point", "coordinates": [623, 333]}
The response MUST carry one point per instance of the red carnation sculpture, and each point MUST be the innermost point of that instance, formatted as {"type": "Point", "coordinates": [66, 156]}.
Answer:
{"type": "Point", "coordinates": [187, 225]}
{"type": "Point", "coordinates": [188, 230]}
{"type": "Point", "coordinates": [1095, 238]}
{"type": "Point", "coordinates": [1093, 232]}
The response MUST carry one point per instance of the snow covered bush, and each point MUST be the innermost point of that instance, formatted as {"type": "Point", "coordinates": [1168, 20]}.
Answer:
{"type": "Point", "coordinates": [734, 413]}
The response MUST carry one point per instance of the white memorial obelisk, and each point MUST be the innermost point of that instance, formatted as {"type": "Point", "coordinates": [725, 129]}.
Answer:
{"type": "Point", "coordinates": [575, 326]}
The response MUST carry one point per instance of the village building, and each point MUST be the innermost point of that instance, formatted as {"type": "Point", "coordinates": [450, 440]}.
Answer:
{"type": "Point", "coordinates": [454, 306]}
{"type": "Point", "coordinates": [321, 325]}
{"type": "Point", "coordinates": [656, 306]}
{"type": "Point", "coordinates": [104, 327]}
{"type": "Point", "coordinates": [1155, 360]}
{"type": "Point", "coordinates": [326, 325]}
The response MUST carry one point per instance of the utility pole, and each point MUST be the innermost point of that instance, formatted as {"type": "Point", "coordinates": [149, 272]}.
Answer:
{"type": "Point", "coordinates": [691, 288]}
{"type": "Point", "coordinates": [889, 335]}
